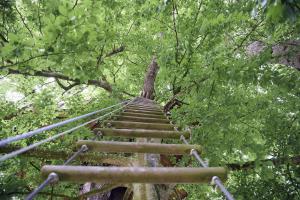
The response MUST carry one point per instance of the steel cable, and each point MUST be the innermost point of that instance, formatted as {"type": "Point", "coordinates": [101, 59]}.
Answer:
{"type": "Point", "coordinates": [27, 148]}
{"type": "Point", "coordinates": [53, 177]}
{"type": "Point", "coordinates": [52, 126]}
{"type": "Point", "coordinates": [216, 180]}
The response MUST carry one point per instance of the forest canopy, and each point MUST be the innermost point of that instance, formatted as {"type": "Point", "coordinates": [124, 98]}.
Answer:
{"type": "Point", "coordinates": [228, 71]}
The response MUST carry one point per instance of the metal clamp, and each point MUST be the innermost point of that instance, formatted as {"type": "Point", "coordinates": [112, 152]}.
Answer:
{"type": "Point", "coordinates": [84, 148]}
{"type": "Point", "coordinates": [53, 178]}
{"type": "Point", "coordinates": [191, 152]}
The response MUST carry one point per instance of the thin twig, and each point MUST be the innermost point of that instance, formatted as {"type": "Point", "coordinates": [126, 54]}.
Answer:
{"type": "Point", "coordinates": [23, 20]}
{"type": "Point", "coordinates": [248, 35]}
{"type": "Point", "coordinates": [176, 34]}
{"type": "Point", "coordinates": [76, 2]}
{"type": "Point", "coordinates": [39, 18]}
{"type": "Point", "coordinates": [34, 57]}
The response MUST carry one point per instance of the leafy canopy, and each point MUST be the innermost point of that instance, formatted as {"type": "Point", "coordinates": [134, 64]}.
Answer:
{"type": "Point", "coordinates": [63, 58]}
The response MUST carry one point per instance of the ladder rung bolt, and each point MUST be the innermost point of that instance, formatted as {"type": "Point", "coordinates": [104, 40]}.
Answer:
{"type": "Point", "coordinates": [192, 150]}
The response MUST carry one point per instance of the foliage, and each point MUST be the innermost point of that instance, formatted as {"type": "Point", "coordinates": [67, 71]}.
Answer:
{"type": "Point", "coordinates": [65, 58]}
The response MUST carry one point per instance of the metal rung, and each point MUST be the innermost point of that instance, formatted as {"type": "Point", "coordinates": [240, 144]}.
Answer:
{"type": "Point", "coordinates": [138, 147]}
{"type": "Point", "coordinates": [81, 174]}
{"type": "Point", "coordinates": [143, 119]}
{"type": "Point", "coordinates": [141, 125]}
{"type": "Point", "coordinates": [142, 133]}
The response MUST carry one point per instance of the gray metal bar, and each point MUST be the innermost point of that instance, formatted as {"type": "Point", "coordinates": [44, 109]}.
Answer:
{"type": "Point", "coordinates": [219, 183]}
{"type": "Point", "coordinates": [82, 149]}
{"type": "Point", "coordinates": [37, 131]}
{"type": "Point", "coordinates": [52, 178]}
{"type": "Point", "coordinates": [215, 179]}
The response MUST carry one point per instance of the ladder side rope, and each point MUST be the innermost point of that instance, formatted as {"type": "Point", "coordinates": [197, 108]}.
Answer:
{"type": "Point", "coordinates": [215, 179]}
{"type": "Point", "coordinates": [53, 177]}
{"type": "Point", "coordinates": [27, 148]}
{"type": "Point", "coordinates": [52, 126]}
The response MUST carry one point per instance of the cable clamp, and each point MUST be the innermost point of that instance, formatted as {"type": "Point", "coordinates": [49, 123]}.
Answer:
{"type": "Point", "coordinates": [213, 180]}
{"type": "Point", "coordinates": [84, 148]}
{"type": "Point", "coordinates": [53, 178]}
{"type": "Point", "coordinates": [182, 137]}
{"type": "Point", "coordinates": [192, 150]}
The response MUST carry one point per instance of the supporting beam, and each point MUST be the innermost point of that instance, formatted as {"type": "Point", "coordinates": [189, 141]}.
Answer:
{"type": "Point", "coordinates": [140, 125]}
{"type": "Point", "coordinates": [138, 147]}
{"type": "Point", "coordinates": [136, 133]}
{"type": "Point", "coordinates": [158, 175]}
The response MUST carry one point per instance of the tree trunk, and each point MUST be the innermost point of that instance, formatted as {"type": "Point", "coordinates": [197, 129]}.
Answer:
{"type": "Point", "coordinates": [148, 89]}
{"type": "Point", "coordinates": [285, 53]}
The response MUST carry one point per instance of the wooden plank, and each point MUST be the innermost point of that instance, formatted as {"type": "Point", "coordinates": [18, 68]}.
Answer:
{"type": "Point", "coordinates": [140, 125]}
{"type": "Point", "coordinates": [138, 147]}
{"type": "Point", "coordinates": [142, 133]}
{"type": "Point", "coordinates": [122, 175]}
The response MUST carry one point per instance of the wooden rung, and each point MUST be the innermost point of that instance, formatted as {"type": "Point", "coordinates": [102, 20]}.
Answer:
{"type": "Point", "coordinates": [142, 133]}
{"type": "Point", "coordinates": [141, 125]}
{"type": "Point", "coordinates": [142, 119]}
{"type": "Point", "coordinates": [144, 111]}
{"type": "Point", "coordinates": [135, 114]}
{"type": "Point", "coordinates": [156, 175]}
{"type": "Point", "coordinates": [138, 147]}
{"type": "Point", "coordinates": [144, 108]}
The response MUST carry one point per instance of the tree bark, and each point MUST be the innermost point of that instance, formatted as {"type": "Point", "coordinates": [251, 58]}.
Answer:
{"type": "Point", "coordinates": [148, 89]}
{"type": "Point", "coordinates": [285, 53]}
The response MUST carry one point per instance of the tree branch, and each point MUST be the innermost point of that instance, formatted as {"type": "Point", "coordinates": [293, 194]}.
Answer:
{"type": "Point", "coordinates": [39, 18]}
{"type": "Point", "coordinates": [115, 51]}
{"type": "Point", "coordinates": [248, 35]}
{"type": "Point", "coordinates": [66, 88]}
{"type": "Point", "coordinates": [32, 58]}
{"type": "Point", "coordinates": [76, 2]}
{"type": "Point", "coordinates": [176, 34]}
{"type": "Point", "coordinates": [23, 20]}
{"type": "Point", "coordinates": [49, 74]}
{"type": "Point", "coordinates": [3, 38]}
{"type": "Point", "coordinates": [276, 161]}
{"type": "Point", "coordinates": [34, 166]}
